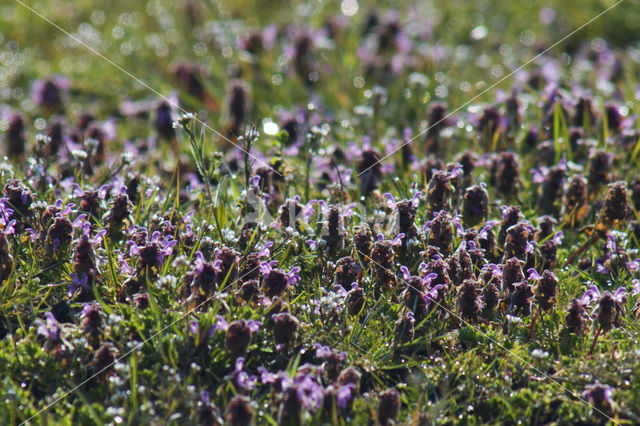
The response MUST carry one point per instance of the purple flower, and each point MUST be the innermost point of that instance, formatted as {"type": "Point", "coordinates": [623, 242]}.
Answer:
{"type": "Point", "coordinates": [391, 201]}
{"type": "Point", "coordinates": [483, 234]}
{"type": "Point", "coordinates": [292, 276]}
{"type": "Point", "coordinates": [266, 252]}
{"type": "Point", "coordinates": [345, 394]}
{"type": "Point", "coordinates": [49, 329]}
{"type": "Point", "coordinates": [322, 351]}
{"type": "Point", "coordinates": [254, 326]}
{"type": "Point", "coordinates": [78, 282]}
{"type": "Point", "coordinates": [397, 240]}
{"type": "Point", "coordinates": [405, 272]}
{"type": "Point", "coordinates": [310, 392]}
{"type": "Point", "coordinates": [533, 274]}
{"type": "Point", "coordinates": [426, 280]}
{"type": "Point", "coordinates": [221, 324]}
{"type": "Point", "coordinates": [242, 378]}
{"type": "Point", "coordinates": [431, 294]}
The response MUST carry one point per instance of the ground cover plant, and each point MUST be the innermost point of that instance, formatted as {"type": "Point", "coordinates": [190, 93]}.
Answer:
{"type": "Point", "coordinates": [327, 212]}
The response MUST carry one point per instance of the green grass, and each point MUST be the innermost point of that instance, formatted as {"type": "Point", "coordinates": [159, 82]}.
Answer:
{"type": "Point", "coordinates": [478, 374]}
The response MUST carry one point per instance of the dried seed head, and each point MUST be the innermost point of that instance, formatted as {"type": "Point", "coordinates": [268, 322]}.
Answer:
{"type": "Point", "coordinates": [508, 174]}
{"type": "Point", "coordinates": [248, 292]}
{"type": "Point", "coordinates": [237, 338]}
{"type": "Point", "coordinates": [545, 292]}
{"type": "Point", "coordinates": [429, 165]}
{"type": "Point", "coordinates": [511, 274]}
{"type": "Point", "coordinates": [116, 217]}
{"type": "Point", "coordinates": [413, 298]}
{"type": "Point", "coordinates": [333, 231]}
{"type": "Point", "coordinates": [520, 302]}
{"type": "Point", "coordinates": [439, 192]}
{"type": "Point", "coordinates": [290, 409]}
{"type": "Point", "coordinates": [441, 230]}
{"type": "Point", "coordinates": [15, 138]}
{"type": "Point", "coordinates": [406, 217]}
{"type": "Point", "coordinates": [518, 241]}
{"type": "Point", "coordinates": [239, 411]}
{"type": "Point", "coordinates": [599, 169]}
{"type": "Point", "coordinates": [404, 328]}
{"type": "Point", "coordinates": [437, 120]}
{"type": "Point", "coordinates": [490, 297]}
{"type": "Point", "coordinates": [356, 300]}
{"type": "Point", "coordinates": [59, 235]}
{"type": "Point", "coordinates": [489, 122]}
{"type": "Point", "coordinates": [104, 359]}
{"type": "Point", "coordinates": [439, 268]}
{"type": "Point", "coordinates": [389, 406]}
{"type": "Point", "coordinates": [363, 242]}
{"type": "Point", "coordinates": [382, 257]}
{"type": "Point", "coordinates": [91, 319]}
{"type": "Point", "coordinates": [285, 328]}
{"type": "Point", "coordinates": [616, 204]}
{"type": "Point", "coordinates": [614, 118]}
{"type": "Point", "coordinates": [189, 77]}
{"type": "Point", "coordinates": [607, 312]}
{"type": "Point", "coordinates": [370, 171]}
{"type": "Point", "coordinates": [289, 213]}
{"type": "Point", "coordinates": [575, 197]}
{"type": "Point", "coordinates": [238, 105]}
{"type": "Point", "coordinates": [275, 283]}
{"type": "Point", "coordinates": [19, 198]}
{"type": "Point", "coordinates": [460, 266]}
{"type": "Point", "coordinates": [546, 225]}
{"type": "Point", "coordinates": [475, 207]}
{"type": "Point", "coordinates": [468, 301]}
{"type": "Point", "coordinates": [552, 191]}
{"type": "Point", "coordinates": [576, 319]}
{"type": "Point", "coordinates": [90, 203]}
{"type": "Point", "coordinates": [510, 216]}
{"type": "Point", "coordinates": [584, 112]}
{"type": "Point", "coordinates": [347, 271]}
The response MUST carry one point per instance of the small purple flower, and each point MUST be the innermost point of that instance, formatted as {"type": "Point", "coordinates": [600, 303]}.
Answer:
{"type": "Point", "coordinates": [592, 294]}
{"type": "Point", "coordinates": [405, 272]}
{"type": "Point", "coordinates": [242, 378]}
{"type": "Point", "coordinates": [78, 282]}
{"type": "Point", "coordinates": [431, 294]}
{"type": "Point", "coordinates": [322, 351]}
{"type": "Point", "coordinates": [533, 274]}
{"type": "Point", "coordinates": [49, 329]}
{"type": "Point", "coordinates": [254, 326]}
{"type": "Point", "coordinates": [221, 324]}
{"type": "Point", "coordinates": [391, 201]}
{"type": "Point", "coordinates": [397, 240]}
{"type": "Point", "coordinates": [345, 394]}
{"type": "Point", "coordinates": [426, 280]}
{"type": "Point", "coordinates": [488, 226]}
{"type": "Point", "coordinates": [292, 276]}
{"type": "Point", "coordinates": [266, 252]}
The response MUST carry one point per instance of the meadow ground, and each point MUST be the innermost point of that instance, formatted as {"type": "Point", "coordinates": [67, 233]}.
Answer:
{"type": "Point", "coordinates": [323, 212]}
